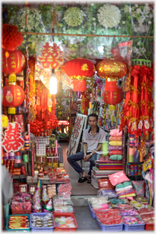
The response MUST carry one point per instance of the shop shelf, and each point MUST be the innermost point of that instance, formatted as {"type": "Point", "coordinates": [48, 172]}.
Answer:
{"type": "Point", "coordinates": [36, 229]}
{"type": "Point", "coordinates": [17, 230]}
{"type": "Point", "coordinates": [110, 228]}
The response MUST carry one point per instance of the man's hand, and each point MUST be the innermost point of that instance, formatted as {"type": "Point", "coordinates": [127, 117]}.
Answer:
{"type": "Point", "coordinates": [87, 157]}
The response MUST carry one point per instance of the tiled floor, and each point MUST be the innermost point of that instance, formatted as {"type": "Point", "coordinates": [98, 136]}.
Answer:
{"type": "Point", "coordinates": [77, 188]}
{"type": "Point", "coordinates": [82, 213]}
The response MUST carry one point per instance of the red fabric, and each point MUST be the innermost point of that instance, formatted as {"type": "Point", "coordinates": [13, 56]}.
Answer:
{"type": "Point", "coordinates": [115, 152]}
{"type": "Point", "coordinates": [138, 108]}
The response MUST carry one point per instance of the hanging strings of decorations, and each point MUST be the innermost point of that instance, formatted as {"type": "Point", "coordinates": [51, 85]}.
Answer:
{"type": "Point", "coordinates": [138, 108]}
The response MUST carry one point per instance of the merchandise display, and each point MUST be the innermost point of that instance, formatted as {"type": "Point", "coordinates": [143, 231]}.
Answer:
{"type": "Point", "coordinates": [77, 119]}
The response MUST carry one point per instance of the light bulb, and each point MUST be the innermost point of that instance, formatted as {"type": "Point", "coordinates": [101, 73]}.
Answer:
{"type": "Point", "coordinates": [53, 84]}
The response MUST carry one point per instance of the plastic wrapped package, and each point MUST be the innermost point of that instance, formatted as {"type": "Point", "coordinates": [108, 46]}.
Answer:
{"type": "Point", "coordinates": [107, 193]}
{"type": "Point", "coordinates": [117, 201]}
{"type": "Point", "coordinates": [148, 218]}
{"type": "Point", "coordinates": [130, 220]}
{"type": "Point", "coordinates": [136, 204]}
{"type": "Point", "coordinates": [130, 212]}
{"type": "Point", "coordinates": [109, 217]}
{"type": "Point", "coordinates": [148, 210]}
{"type": "Point", "coordinates": [105, 183]}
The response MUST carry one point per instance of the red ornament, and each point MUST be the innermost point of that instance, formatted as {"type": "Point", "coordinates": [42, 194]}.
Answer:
{"type": "Point", "coordinates": [13, 62]}
{"type": "Point", "coordinates": [13, 95]}
{"type": "Point", "coordinates": [13, 140]}
{"type": "Point", "coordinates": [79, 85]}
{"type": "Point", "coordinates": [111, 68]}
{"type": "Point", "coordinates": [79, 68]}
{"type": "Point", "coordinates": [113, 97]}
{"type": "Point", "coordinates": [110, 86]}
{"type": "Point", "coordinates": [11, 37]}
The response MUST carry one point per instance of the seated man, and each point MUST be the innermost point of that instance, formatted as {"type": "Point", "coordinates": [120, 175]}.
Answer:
{"type": "Point", "coordinates": [93, 138]}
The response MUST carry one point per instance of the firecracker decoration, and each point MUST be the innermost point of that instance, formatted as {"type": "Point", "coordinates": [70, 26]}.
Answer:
{"type": "Point", "coordinates": [32, 79]}
{"type": "Point", "coordinates": [13, 62]}
{"type": "Point", "coordinates": [13, 140]}
{"type": "Point", "coordinates": [138, 107]}
{"type": "Point", "coordinates": [11, 37]}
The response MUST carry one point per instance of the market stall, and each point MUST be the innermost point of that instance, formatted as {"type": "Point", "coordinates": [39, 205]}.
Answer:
{"type": "Point", "coordinates": [60, 63]}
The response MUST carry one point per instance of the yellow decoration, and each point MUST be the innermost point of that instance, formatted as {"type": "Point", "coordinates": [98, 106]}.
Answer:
{"type": "Point", "coordinates": [4, 121]}
{"type": "Point", "coordinates": [84, 67]}
{"type": "Point", "coordinates": [111, 107]}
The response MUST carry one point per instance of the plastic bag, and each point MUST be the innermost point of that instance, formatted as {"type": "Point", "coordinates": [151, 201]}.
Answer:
{"type": "Point", "coordinates": [107, 193]}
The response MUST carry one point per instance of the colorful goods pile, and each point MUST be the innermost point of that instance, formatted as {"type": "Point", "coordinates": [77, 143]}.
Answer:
{"type": "Point", "coordinates": [41, 221]}
{"type": "Point", "coordinates": [65, 222]}
{"type": "Point", "coordinates": [63, 205]}
{"type": "Point", "coordinates": [18, 223]}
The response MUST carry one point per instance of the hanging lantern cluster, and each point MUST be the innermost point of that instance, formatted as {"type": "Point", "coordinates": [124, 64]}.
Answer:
{"type": "Point", "coordinates": [13, 62]}
{"type": "Point", "coordinates": [112, 70]}
{"type": "Point", "coordinates": [79, 70]}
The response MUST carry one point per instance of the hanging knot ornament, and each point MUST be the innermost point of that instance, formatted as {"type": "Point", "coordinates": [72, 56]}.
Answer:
{"type": "Point", "coordinates": [11, 37]}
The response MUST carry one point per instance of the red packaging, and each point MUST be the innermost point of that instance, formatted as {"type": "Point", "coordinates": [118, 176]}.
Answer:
{"type": "Point", "coordinates": [23, 170]}
{"type": "Point", "coordinates": [23, 188]}
{"type": "Point", "coordinates": [20, 120]}
{"type": "Point", "coordinates": [105, 183]}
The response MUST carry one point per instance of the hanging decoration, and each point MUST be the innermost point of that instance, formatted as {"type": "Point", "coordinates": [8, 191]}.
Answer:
{"type": "Point", "coordinates": [109, 16]}
{"type": "Point", "coordinates": [79, 69]}
{"type": "Point", "coordinates": [13, 62]}
{"type": "Point", "coordinates": [138, 108]}
{"type": "Point", "coordinates": [32, 79]}
{"type": "Point", "coordinates": [113, 97]}
{"type": "Point", "coordinates": [112, 70]}
{"type": "Point", "coordinates": [11, 37]}
{"type": "Point", "coordinates": [73, 16]}
{"type": "Point", "coordinates": [13, 95]}
{"type": "Point", "coordinates": [79, 85]}
{"type": "Point", "coordinates": [51, 59]}
{"type": "Point", "coordinates": [13, 140]}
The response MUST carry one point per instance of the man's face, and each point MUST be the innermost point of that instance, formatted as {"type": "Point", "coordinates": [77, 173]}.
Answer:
{"type": "Point", "coordinates": [92, 122]}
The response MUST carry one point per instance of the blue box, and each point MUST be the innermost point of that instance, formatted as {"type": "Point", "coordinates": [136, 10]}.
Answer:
{"type": "Point", "coordinates": [134, 227]}
{"type": "Point", "coordinates": [110, 228]}
{"type": "Point", "coordinates": [41, 229]}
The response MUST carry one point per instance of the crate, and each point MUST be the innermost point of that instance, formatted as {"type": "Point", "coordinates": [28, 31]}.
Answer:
{"type": "Point", "coordinates": [65, 215]}
{"type": "Point", "coordinates": [36, 229]}
{"type": "Point", "coordinates": [92, 212]}
{"type": "Point", "coordinates": [149, 227]}
{"type": "Point", "coordinates": [17, 230]}
{"type": "Point", "coordinates": [134, 227]}
{"type": "Point", "coordinates": [110, 228]}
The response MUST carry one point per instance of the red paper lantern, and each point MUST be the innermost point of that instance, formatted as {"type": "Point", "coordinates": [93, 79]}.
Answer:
{"type": "Point", "coordinates": [11, 37]}
{"type": "Point", "coordinates": [79, 68]}
{"type": "Point", "coordinates": [13, 62]}
{"type": "Point", "coordinates": [13, 95]}
{"type": "Point", "coordinates": [113, 97]}
{"type": "Point", "coordinates": [111, 68]}
{"type": "Point", "coordinates": [79, 85]}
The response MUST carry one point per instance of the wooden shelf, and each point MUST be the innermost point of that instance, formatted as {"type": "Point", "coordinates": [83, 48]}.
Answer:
{"type": "Point", "coordinates": [19, 176]}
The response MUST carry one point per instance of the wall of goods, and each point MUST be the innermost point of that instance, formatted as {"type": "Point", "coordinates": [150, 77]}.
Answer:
{"type": "Point", "coordinates": [102, 56]}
